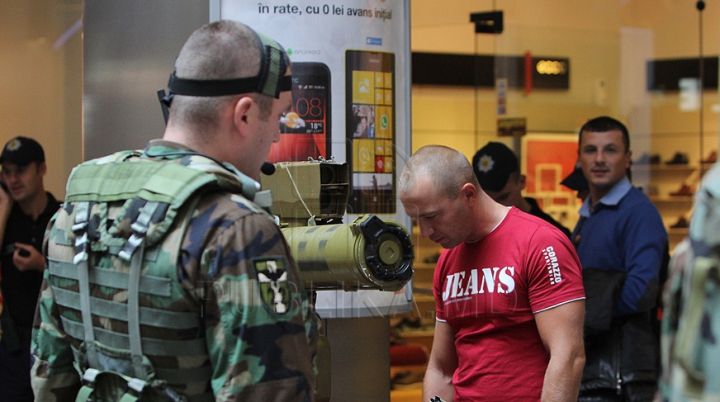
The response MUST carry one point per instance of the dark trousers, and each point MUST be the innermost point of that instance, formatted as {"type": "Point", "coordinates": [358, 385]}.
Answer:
{"type": "Point", "coordinates": [15, 369]}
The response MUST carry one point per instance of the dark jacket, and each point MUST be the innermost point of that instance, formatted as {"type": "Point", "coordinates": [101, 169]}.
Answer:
{"type": "Point", "coordinates": [535, 210]}
{"type": "Point", "coordinates": [622, 352]}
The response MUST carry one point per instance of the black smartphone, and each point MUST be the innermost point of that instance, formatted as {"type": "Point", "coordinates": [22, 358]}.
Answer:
{"type": "Point", "coordinates": [305, 130]}
{"type": "Point", "coordinates": [10, 249]}
{"type": "Point", "coordinates": [370, 130]}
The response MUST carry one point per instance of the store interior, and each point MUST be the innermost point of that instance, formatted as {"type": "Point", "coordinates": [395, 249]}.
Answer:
{"type": "Point", "coordinates": [640, 61]}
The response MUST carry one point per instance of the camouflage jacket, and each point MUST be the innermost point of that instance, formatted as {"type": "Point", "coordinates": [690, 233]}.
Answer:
{"type": "Point", "coordinates": [232, 271]}
{"type": "Point", "coordinates": [691, 323]}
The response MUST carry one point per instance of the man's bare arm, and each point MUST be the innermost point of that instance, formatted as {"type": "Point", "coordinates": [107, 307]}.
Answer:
{"type": "Point", "coordinates": [561, 330]}
{"type": "Point", "coordinates": [442, 365]}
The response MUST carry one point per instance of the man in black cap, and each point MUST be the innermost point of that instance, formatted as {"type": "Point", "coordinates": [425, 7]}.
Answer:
{"type": "Point", "coordinates": [498, 171]}
{"type": "Point", "coordinates": [577, 182]}
{"type": "Point", "coordinates": [25, 210]}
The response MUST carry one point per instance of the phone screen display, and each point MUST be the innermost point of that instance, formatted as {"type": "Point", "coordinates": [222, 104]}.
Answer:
{"type": "Point", "coordinates": [370, 130]}
{"type": "Point", "coordinates": [305, 130]}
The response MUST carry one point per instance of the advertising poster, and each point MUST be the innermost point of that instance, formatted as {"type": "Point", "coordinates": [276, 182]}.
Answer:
{"type": "Point", "coordinates": [351, 103]}
{"type": "Point", "coordinates": [350, 65]}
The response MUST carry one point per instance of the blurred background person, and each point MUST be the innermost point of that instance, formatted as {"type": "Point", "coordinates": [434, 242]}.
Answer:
{"type": "Point", "coordinates": [25, 210]}
{"type": "Point", "coordinates": [498, 171]}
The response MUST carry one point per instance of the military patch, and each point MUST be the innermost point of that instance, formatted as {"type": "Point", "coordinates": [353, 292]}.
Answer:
{"type": "Point", "coordinates": [273, 280]}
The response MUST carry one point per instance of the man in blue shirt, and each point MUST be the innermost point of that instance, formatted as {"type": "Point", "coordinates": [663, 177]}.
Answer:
{"type": "Point", "coordinates": [622, 244]}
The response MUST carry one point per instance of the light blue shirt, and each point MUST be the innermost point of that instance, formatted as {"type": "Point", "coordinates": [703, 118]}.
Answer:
{"type": "Point", "coordinates": [613, 197]}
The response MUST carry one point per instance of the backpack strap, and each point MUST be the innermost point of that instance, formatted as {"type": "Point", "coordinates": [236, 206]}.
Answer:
{"type": "Point", "coordinates": [82, 250]}
{"type": "Point", "coordinates": [134, 251]}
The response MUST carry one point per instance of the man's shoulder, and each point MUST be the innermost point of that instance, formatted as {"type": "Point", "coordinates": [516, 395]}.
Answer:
{"type": "Point", "coordinates": [53, 202]}
{"type": "Point", "coordinates": [50, 209]}
{"type": "Point", "coordinates": [536, 211]}
{"type": "Point", "coordinates": [637, 195]}
{"type": "Point", "coordinates": [517, 217]}
{"type": "Point", "coordinates": [635, 213]}
{"type": "Point", "coordinates": [636, 203]}
{"type": "Point", "coordinates": [531, 222]}
{"type": "Point", "coordinates": [631, 202]}
{"type": "Point", "coordinates": [222, 205]}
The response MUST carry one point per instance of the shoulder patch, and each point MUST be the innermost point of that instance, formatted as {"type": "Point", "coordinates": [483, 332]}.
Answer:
{"type": "Point", "coordinates": [272, 278]}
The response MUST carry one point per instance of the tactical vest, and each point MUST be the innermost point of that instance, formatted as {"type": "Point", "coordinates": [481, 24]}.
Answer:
{"type": "Point", "coordinates": [112, 264]}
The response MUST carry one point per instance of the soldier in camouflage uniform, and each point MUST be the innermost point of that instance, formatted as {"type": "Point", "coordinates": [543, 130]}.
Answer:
{"type": "Point", "coordinates": [691, 325]}
{"type": "Point", "coordinates": [166, 280]}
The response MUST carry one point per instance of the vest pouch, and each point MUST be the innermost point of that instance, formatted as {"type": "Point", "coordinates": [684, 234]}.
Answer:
{"type": "Point", "coordinates": [115, 379]}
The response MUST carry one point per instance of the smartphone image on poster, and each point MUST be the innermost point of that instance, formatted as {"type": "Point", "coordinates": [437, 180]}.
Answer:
{"type": "Point", "coordinates": [305, 130]}
{"type": "Point", "coordinates": [370, 130]}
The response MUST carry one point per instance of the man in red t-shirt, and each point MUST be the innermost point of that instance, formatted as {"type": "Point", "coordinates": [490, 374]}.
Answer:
{"type": "Point", "coordinates": [508, 290]}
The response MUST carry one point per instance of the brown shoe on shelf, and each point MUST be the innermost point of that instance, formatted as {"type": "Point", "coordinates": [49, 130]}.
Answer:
{"type": "Point", "coordinates": [647, 159]}
{"type": "Point", "coordinates": [684, 190]}
{"type": "Point", "coordinates": [681, 223]}
{"type": "Point", "coordinates": [678, 159]}
{"type": "Point", "coordinates": [712, 158]}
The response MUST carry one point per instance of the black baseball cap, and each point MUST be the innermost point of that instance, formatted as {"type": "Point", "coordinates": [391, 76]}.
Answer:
{"type": "Point", "coordinates": [493, 165]}
{"type": "Point", "coordinates": [21, 151]}
{"type": "Point", "coordinates": [575, 180]}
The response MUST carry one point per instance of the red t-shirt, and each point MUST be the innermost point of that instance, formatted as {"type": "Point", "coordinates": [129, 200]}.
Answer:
{"type": "Point", "coordinates": [488, 291]}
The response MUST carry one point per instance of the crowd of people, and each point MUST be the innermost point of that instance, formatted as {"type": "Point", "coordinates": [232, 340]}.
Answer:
{"type": "Point", "coordinates": [121, 293]}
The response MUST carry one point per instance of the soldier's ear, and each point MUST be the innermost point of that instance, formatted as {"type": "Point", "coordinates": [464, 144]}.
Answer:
{"type": "Point", "coordinates": [240, 113]}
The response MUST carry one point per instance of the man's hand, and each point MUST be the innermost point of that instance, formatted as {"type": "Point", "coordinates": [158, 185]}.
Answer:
{"type": "Point", "coordinates": [5, 202]}
{"type": "Point", "coordinates": [5, 207]}
{"type": "Point", "coordinates": [27, 258]}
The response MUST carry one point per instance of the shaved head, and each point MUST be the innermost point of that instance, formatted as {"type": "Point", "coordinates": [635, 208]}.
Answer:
{"type": "Point", "coordinates": [220, 50]}
{"type": "Point", "coordinates": [447, 168]}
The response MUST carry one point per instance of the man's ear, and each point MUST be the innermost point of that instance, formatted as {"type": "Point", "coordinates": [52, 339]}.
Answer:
{"type": "Point", "coordinates": [241, 111]}
{"type": "Point", "coordinates": [629, 159]}
{"type": "Point", "coordinates": [522, 181]}
{"type": "Point", "coordinates": [468, 192]}
{"type": "Point", "coordinates": [42, 168]}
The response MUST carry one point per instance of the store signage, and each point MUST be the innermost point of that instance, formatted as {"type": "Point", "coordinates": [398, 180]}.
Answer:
{"type": "Point", "coordinates": [545, 72]}
{"type": "Point", "coordinates": [501, 87]}
{"type": "Point", "coordinates": [551, 67]}
{"type": "Point", "coordinates": [511, 126]}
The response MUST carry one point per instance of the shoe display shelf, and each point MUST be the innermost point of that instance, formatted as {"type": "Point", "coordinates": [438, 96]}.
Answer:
{"type": "Point", "coordinates": [671, 188]}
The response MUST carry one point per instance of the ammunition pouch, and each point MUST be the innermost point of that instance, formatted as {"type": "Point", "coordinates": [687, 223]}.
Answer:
{"type": "Point", "coordinates": [108, 386]}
